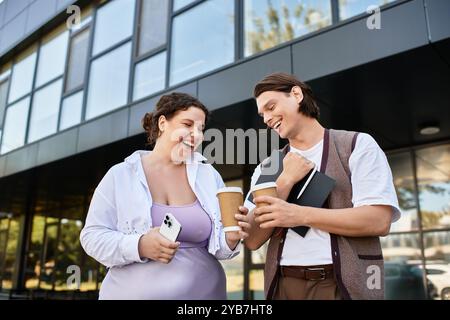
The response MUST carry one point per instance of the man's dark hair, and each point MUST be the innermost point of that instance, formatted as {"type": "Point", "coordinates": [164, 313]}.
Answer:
{"type": "Point", "coordinates": [284, 82]}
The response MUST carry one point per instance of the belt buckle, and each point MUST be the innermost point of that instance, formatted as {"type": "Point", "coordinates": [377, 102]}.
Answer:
{"type": "Point", "coordinates": [322, 274]}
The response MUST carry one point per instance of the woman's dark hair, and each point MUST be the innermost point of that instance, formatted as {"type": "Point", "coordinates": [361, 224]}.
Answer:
{"type": "Point", "coordinates": [284, 82]}
{"type": "Point", "coordinates": [167, 106]}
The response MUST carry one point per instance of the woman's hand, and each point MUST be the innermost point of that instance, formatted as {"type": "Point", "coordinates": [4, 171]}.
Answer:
{"type": "Point", "coordinates": [154, 246]}
{"type": "Point", "coordinates": [234, 237]}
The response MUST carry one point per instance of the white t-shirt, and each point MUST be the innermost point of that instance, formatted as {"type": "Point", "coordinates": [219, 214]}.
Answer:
{"type": "Point", "coordinates": [372, 184]}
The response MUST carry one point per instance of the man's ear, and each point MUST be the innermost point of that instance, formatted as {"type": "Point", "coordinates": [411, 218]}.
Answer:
{"type": "Point", "coordinates": [297, 92]}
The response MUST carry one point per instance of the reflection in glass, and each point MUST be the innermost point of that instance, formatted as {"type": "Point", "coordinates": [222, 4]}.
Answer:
{"type": "Point", "coordinates": [234, 271]}
{"type": "Point", "coordinates": [108, 83]}
{"type": "Point", "coordinates": [114, 22]}
{"type": "Point", "coordinates": [269, 23]}
{"type": "Point", "coordinates": [350, 8]}
{"type": "Point", "coordinates": [52, 59]}
{"type": "Point", "coordinates": [33, 269]}
{"type": "Point", "coordinates": [68, 253]}
{"type": "Point", "coordinates": [153, 25]}
{"type": "Point", "coordinates": [257, 284]}
{"type": "Point", "coordinates": [22, 77]}
{"type": "Point", "coordinates": [77, 60]}
{"type": "Point", "coordinates": [402, 171]}
{"type": "Point", "coordinates": [150, 76]}
{"type": "Point", "coordinates": [259, 256]}
{"type": "Point", "coordinates": [10, 256]}
{"type": "Point", "coordinates": [433, 176]}
{"type": "Point", "coordinates": [196, 49]}
{"type": "Point", "coordinates": [45, 111]}
{"type": "Point", "coordinates": [15, 125]}
{"type": "Point", "coordinates": [437, 255]}
{"type": "Point", "coordinates": [403, 277]}
{"type": "Point", "coordinates": [71, 110]}
{"type": "Point", "coordinates": [49, 254]}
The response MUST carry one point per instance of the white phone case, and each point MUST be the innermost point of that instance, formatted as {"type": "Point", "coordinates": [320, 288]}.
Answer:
{"type": "Point", "coordinates": [170, 228]}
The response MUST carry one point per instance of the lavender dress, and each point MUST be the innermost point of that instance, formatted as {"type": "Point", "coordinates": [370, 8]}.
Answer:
{"type": "Point", "coordinates": [192, 274]}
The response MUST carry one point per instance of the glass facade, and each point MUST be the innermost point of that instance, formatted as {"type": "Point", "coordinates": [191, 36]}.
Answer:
{"type": "Point", "coordinates": [114, 23]}
{"type": "Point", "coordinates": [108, 87]}
{"type": "Point", "coordinates": [153, 22]}
{"type": "Point", "coordinates": [144, 84]}
{"type": "Point", "coordinates": [71, 110]}
{"type": "Point", "coordinates": [269, 23]}
{"type": "Point", "coordinates": [52, 58]}
{"type": "Point", "coordinates": [45, 111]}
{"type": "Point", "coordinates": [196, 49]}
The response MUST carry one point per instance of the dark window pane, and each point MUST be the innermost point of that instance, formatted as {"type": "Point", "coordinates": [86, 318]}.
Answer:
{"type": "Point", "coordinates": [77, 60]}
{"type": "Point", "coordinates": [3, 93]}
{"type": "Point", "coordinates": [153, 25]}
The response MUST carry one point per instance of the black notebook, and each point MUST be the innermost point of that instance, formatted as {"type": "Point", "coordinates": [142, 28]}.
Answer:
{"type": "Point", "coordinates": [311, 191]}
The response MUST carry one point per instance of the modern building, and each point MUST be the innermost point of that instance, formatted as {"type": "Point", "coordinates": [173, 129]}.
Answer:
{"type": "Point", "coordinates": [73, 92]}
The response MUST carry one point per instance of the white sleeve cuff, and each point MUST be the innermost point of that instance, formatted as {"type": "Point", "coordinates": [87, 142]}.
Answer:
{"type": "Point", "coordinates": [129, 247]}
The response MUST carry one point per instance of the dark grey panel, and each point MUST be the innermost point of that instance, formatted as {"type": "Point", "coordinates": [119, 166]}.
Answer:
{"type": "Point", "coordinates": [103, 131]}
{"type": "Point", "coordinates": [439, 19]}
{"type": "Point", "coordinates": [57, 147]}
{"type": "Point", "coordinates": [39, 12]}
{"type": "Point", "coordinates": [235, 84]}
{"type": "Point", "coordinates": [22, 159]}
{"type": "Point", "coordinates": [403, 27]}
{"type": "Point", "coordinates": [13, 31]}
{"type": "Point", "coordinates": [138, 110]}
{"type": "Point", "coordinates": [2, 165]}
{"type": "Point", "coordinates": [13, 8]}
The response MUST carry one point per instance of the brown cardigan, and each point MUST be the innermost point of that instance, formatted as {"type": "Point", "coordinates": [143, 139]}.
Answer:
{"type": "Point", "coordinates": [357, 260]}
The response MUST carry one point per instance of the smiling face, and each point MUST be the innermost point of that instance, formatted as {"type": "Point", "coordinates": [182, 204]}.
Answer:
{"type": "Point", "coordinates": [280, 111]}
{"type": "Point", "coordinates": [183, 132]}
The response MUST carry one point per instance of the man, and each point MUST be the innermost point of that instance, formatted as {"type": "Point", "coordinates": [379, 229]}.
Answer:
{"type": "Point", "coordinates": [340, 256]}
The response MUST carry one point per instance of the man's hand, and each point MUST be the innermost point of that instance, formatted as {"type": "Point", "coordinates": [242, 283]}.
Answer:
{"type": "Point", "coordinates": [295, 168]}
{"type": "Point", "coordinates": [278, 213]}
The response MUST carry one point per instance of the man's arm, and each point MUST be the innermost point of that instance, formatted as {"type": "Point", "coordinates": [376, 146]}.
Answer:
{"type": "Point", "coordinates": [370, 220]}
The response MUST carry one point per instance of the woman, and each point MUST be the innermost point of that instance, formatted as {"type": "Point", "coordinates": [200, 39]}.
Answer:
{"type": "Point", "coordinates": [129, 205]}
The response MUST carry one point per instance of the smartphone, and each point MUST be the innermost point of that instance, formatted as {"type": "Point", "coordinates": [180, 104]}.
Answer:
{"type": "Point", "coordinates": [170, 227]}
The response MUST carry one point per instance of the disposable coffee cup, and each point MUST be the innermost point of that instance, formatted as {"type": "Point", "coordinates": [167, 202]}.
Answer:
{"type": "Point", "coordinates": [230, 199]}
{"type": "Point", "coordinates": [264, 189]}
